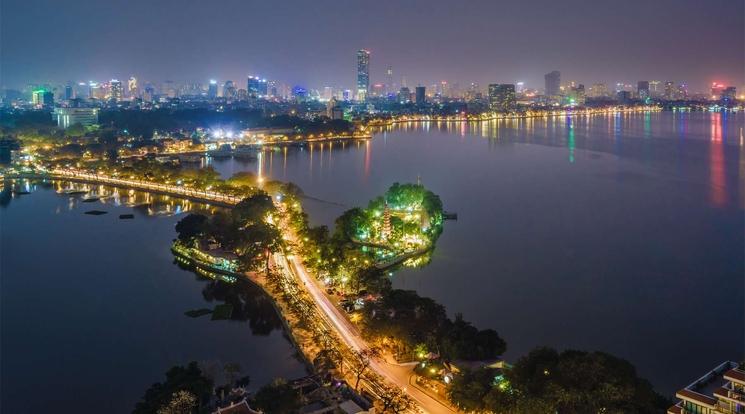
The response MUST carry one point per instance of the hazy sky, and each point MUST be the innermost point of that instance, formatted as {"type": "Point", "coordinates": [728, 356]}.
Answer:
{"type": "Point", "coordinates": [313, 43]}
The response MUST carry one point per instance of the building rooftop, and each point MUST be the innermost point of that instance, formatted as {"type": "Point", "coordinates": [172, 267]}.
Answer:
{"type": "Point", "coordinates": [714, 391]}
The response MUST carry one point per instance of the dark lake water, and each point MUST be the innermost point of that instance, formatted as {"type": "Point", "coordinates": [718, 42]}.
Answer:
{"type": "Point", "coordinates": [92, 308]}
{"type": "Point", "coordinates": [620, 233]}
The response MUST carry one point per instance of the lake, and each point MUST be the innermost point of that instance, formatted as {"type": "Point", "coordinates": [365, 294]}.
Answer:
{"type": "Point", "coordinates": [92, 307]}
{"type": "Point", "coordinates": [622, 233]}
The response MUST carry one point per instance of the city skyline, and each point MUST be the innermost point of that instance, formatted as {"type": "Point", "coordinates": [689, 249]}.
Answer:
{"type": "Point", "coordinates": [617, 50]}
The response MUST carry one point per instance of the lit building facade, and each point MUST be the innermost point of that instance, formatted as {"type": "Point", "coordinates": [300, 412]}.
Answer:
{"type": "Point", "coordinates": [719, 391]}
{"type": "Point", "coordinates": [116, 90]}
{"type": "Point", "coordinates": [67, 117]}
{"type": "Point", "coordinates": [212, 89]}
{"type": "Point", "coordinates": [553, 83]}
{"type": "Point", "coordinates": [363, 74]}
{"type": "Point", "coordinates": [502, 97]}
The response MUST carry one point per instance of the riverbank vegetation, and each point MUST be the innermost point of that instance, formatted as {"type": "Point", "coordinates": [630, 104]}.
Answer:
{"type": "Point", "coordinates": [548, 381]}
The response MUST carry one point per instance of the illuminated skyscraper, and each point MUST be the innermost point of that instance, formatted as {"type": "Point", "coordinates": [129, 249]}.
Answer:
{"type": "Point", "coordinates": [502, 97]}
{"type": "Point", "coordinates": [654, 88]}
{"type": "Point", "coordinates": [256, 87]}
{"type": "Point", "coordinates": [116, 90]}
{"type": "Point", "coordinates": [68, 92]}
{"type": "Point", "coordinates": [520, 87]}
{"type": "Point", "coordinates": [404, 95]}
{"type": "Point", "coordinates": [42, 97]}
{"type": "Point", "coordinates": [363, 74]}
{"type": "Point", "coordinates": [553, 83]}
{"type": "Point", "coordinates": [389, 79]}
{"type": "Point", "coordinates": [598, 90]}
{"type": "Point", "coordinates": [132, 87]}
{"type": "Point", "coordinates": [212, 89]}
{"type": "Point", "coordinates": [716, 90]}
{"type": "Point", "coordinates": [421, 95]}
{"type": "Point", "coordinates": [669, 90]}
{"type": "Point", "coordinates": [642, 89]}
{"type": "Point", "coordinates": [729, 94]}
{"type": "Point", "coordinates": [228, 90]}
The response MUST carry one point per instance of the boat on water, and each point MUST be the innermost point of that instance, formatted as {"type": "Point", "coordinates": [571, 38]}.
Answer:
{"type": "Point", "coordinates": [74, 192]}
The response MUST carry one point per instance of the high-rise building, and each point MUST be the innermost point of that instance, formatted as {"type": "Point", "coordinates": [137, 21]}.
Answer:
{"type": "Point", "coordinates": [363, 74]}
{"type": "Point", "coordinates": [669, 93]}
{"type": "Point", "coordinates": [68, 92]}
{"type": "Point", "coordinates": [623, 97]}
{"type": "Point", "coordinates": [729, 94]}
{"type": "Point", "coordinates": [148, 94]}
{"type": "Point", "coordinates": [716, 90]}
{"type": "Point", "coordinates": [575, 95]}
{"type": "Point", "coordinates": [228, 90]}
{"type": "Point", "coordinates": [116, 90]}
{"type": "Point", "coordinates": [502, 97]}
{"type": "Point", "coordinates": [404, 95]}
{"type": "Point", "coordinates": [212, 89]}
{"type": "Point", "coordinates": [42, 97]}
{"type": "Point", "coordinates": [719, 391]}
{"type": "Point", "coordinates": [420, 95]}
{"type": "Point", "coordinates": [598, 90]}
{"type": "Point", "coordinates": [682, 91]}
{"type": "Point", "coordinates": [642, 90]}
{"type": "Point", "coordinates": [654, 89]}
{"type": "Point", "coordinates": [389, 80]}
{"type": "Point", "coordinates": [132, 87]}
{"type": "Point", "coordinates": [553, 83]}
{"type": "Point", "coordinates": [256, 87]}
{"type": "Point", "coordinates": [520, 87]}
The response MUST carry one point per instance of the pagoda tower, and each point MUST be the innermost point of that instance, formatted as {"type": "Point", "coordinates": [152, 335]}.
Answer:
{"type": "Point", "coordinates": [386, 231]}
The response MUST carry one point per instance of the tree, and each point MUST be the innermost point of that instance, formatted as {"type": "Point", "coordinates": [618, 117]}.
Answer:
{"type": "Point", "coordinates": [253, 209]}
{"type": "Point", "coordinates": [191, 226]}
{"type": "Point", "coordinates": [327, 360]}
{"type": "Point", "coordinates": [231, 370]}
{"type": "Point", "coordinates": [393, 400]}
{"type": "Point", "coordinates": [182, 402]}
{"type": "Point", "coordinates": [278, 397]}
{"type": "Point", "coordinates": [360, 362]}
{"type": "Point", "coordinates": [178, 378]}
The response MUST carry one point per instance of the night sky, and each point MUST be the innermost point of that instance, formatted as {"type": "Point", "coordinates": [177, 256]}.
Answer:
{"type": "Point", "coordinates": [313, 43]}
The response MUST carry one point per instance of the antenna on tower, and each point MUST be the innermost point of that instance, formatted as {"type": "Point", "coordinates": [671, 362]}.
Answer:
{"type": "Point", "coordinates": [418, 179]}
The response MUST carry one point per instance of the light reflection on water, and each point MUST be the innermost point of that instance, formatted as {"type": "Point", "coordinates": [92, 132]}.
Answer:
{"type": "Point", "coordinates": [615, 232]}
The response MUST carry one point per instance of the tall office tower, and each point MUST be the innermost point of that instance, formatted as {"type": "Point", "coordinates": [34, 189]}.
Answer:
{"type": "Point", "coordinates": [132, 87]}
{"type": "Point", "coordinates": [41, 97]}
{"type": "Point", "coordinates": [654, 89]}
{"type": "Point", "coordinates": [228, 90]}
{"type": "Point", "coordinates": [474, 91]}
{"type": "Point", "coordinates": [256, 87]}
{"type": "Point", "coordinates": [404, 95]}
{"type": "Point", "coordinates": [328, 93]}
{"type": "Point", "coordinates": [95, 90]}
{"type": "Point", "coordinates": [502, 97]}
{"type": "Point", "coordinates": [553, 83]}
{"type": "Point", "coordinates": [363, 74]}
{"type": "Point", "coordinates": [420, 95]}
{"type": "Point", "coordinates": [575, 95]}
{"type": "Point", "coordinates": [642, 89]}
{"type": "Point", "coordinates": [263, 88]}
{"type": "Point", "coordinates": [272, 89]}
{"type": "Point", "coordinates": [669, 93]}
{"type": "Point", "coordinates": [682, 91]}
{"type": "Point", "coordinates": [716, 90]}
{"type": "Point", "coordinates": [148, 94]}
{"type": "Point", "coordinates": [598, 90]}
{"type": "Point", "coordinates": [389, 80]}
{"type": "Point", "coordinates": [212, 89]}
{"type": "Point", "coordinates": [68, 92]}
{"type": "Point", "coordinates": [520, 87]}
{"type": "Point", "coordinates": [729, 94]}
{"type": "Point", "coordinates": [117, 92]}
